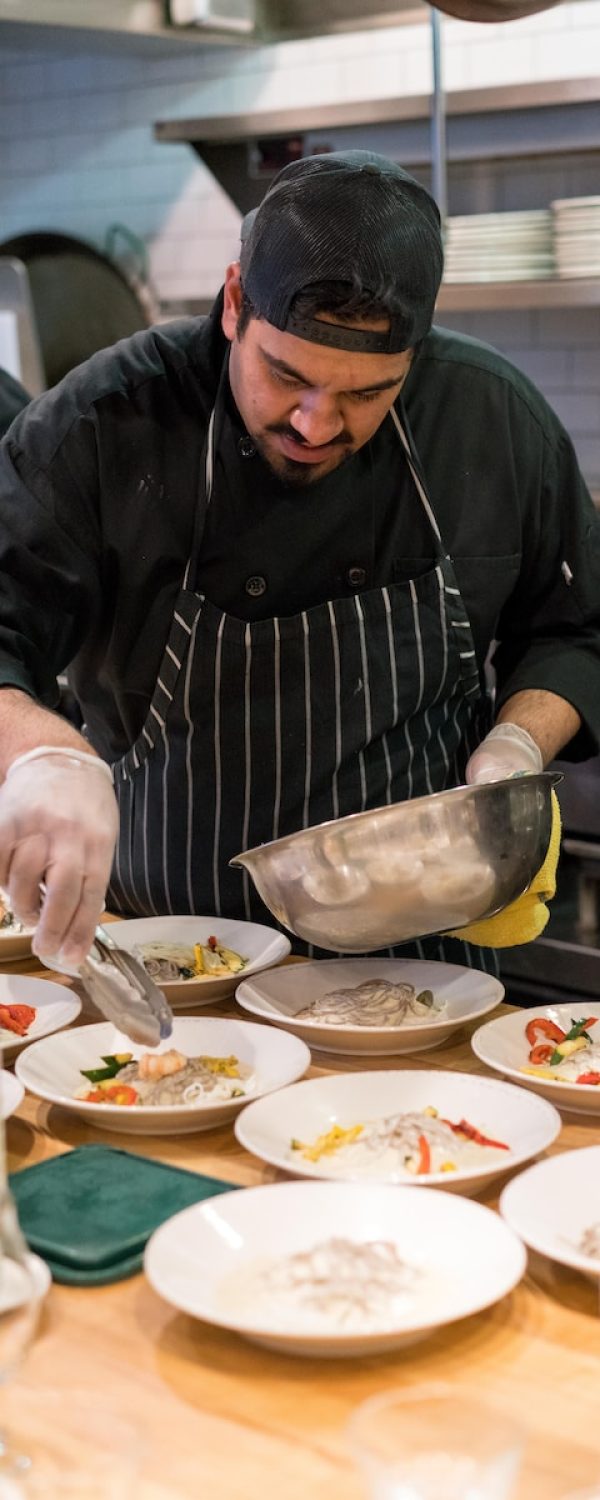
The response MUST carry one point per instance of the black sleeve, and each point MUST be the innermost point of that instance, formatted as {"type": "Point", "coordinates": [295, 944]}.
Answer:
{"type": "Point", "coordinates": [50, 553]}
{"type": "Point", "coordinates": [549, 631]}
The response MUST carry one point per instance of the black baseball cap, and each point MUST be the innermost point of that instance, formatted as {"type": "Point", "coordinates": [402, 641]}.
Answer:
{"type": "Point", "coordinates": [350, 216]}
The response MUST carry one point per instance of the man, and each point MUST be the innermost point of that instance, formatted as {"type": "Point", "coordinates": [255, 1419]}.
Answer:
{"type": "Point", "coordinates": [275, 549]}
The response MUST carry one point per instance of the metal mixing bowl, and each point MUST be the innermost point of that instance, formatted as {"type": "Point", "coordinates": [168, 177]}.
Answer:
{"type": "Point", "coordinates": [428, 865]}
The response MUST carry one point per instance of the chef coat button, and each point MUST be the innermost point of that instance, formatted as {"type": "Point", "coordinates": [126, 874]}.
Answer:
{"type": "Point", "coordinates": [246, 447]}
{"type": "Point", "coordinates": [356, 577]}
{"type": "Point", "coordinates": [256, 586]}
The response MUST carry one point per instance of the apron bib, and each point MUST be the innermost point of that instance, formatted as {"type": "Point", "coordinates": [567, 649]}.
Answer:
{"type": "Point", "coordinates": [257, 730]}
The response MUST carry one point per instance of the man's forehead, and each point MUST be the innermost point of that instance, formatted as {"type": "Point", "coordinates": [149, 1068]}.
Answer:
{"type": "Point", "coordinates": [320, 364]}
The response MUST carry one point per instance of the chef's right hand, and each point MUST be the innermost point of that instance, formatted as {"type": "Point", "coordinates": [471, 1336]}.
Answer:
{"type": "Point", "coordinates": [58, 824]}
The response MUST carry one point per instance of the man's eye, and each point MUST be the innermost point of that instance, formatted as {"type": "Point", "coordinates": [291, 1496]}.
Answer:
{"type": "Point", "coordinates": [283, 379]}
{"type": "Point", "coordinates": [366, 395]}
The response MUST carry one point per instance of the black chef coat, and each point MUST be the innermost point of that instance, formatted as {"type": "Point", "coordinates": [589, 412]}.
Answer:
{"type": "Point", "coordinates": [98, 489]}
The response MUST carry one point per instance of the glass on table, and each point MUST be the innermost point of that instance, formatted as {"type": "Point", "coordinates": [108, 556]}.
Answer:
{"type": "Point", "coordinates": [433, 1443]}
{"type": "Point", "coordinates": [20, 1300]}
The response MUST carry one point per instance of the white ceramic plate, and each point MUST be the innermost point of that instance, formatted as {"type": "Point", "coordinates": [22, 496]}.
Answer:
{"type": "Point", "coordinates": [503, 1045]}
{"type": "Point", "coordinates": [203, 1259]}
{"type": "Point", "coordinates": [261, 946]}
{"type": "Point", "coordinates": [51, 1069]}
{"type": "Point", "coordinates": [56, 1007]}
{"type": "Point", "coordinates": [11, 1094]}
{"type": "Point", "coordinates": [308, 1110]}
{"type": "Point", "coordinates": [552, 1204]}
{"type": "Point", "coordinates": [277, 997]}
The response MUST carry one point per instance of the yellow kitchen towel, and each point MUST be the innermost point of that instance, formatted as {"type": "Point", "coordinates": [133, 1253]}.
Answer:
{"type": "Point", "coordinates": [526, 917]}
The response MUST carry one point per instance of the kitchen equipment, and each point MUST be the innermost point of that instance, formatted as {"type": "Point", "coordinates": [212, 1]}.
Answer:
{"type": "Point", "coordinates": [394, 873]}
{"type": "Point", "coordinates": [269, 1059]}
{"type": "Point", "coordinates": [258, 946]}
{"type": "Point", "coordinates": [133, 1002]}
{"type": "Point", "coordinates": [82, 301]}
{"type": "Point", "coordinates": [279, 1128]}
{"type": "Point", "coordinates": [281, 995]}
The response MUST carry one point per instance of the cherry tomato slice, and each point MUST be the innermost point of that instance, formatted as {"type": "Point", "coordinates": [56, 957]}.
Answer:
{"type": "Point", "coordinates": [544, 1028]}
{"type": "Point", "coordinates": [541, 1053]}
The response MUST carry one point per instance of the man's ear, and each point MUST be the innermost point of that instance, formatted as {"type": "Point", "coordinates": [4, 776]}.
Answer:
{"type": "Point", "coordinates": [232, 300]}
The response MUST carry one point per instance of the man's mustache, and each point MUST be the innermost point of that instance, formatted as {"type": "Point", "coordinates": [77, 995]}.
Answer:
{"type": "Point", "coordinates": [342, 440]}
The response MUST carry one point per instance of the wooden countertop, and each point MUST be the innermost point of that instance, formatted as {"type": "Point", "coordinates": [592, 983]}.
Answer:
{"type": "Point", "coordinates": [219, 1417]}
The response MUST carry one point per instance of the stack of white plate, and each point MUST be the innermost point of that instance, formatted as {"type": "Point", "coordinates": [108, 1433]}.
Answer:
{"type": "Point", "coordinates": [577, 236]}
{"type": "Point", "coordinates": [499, 247]}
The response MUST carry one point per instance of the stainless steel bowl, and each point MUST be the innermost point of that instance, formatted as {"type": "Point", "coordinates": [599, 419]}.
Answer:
{"type": "Point", "coordinates": [429, 865]}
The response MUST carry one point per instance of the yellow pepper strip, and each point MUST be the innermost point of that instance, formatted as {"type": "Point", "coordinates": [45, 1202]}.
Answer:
{"type": "Point", "coordinates": [229, 1067]}
{"type": "Point", "coordinates": [326, 1144]}
{"type": "Point", "coordinates": [544, 1073]}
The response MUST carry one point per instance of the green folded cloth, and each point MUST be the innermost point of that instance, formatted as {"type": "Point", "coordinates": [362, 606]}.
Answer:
{"type": "Point", "coordinates": [90, 1212]}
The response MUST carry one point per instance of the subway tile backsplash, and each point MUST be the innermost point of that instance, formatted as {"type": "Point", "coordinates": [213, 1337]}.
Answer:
{"type": "Point", "coordinates": [77, 155]}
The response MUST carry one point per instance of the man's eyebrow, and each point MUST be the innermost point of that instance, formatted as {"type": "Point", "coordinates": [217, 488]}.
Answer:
{"type": "Point", "coordinates": [285, 369]}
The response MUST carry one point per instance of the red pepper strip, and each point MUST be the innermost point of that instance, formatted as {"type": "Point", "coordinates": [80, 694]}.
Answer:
{"type": "Point", "coordinates": [590, 1022]}
{"type": "Point", "coordinates": [542, 1052]}
{"type": "Point", "coordinates": [119, 1093]}
{"type": "Point", "coordinates": [212, 943]}
{"type": "Point", "coordinates": [424, 1155]}
{"type": "Point", "coordinates": [472, 1134]}
{"type": "Point", "coordinates": [545, 1028]}
{"type": "Point", "coordinates": [11, 1020]}
{"type": "Point", "coordinates": [588, 1078]}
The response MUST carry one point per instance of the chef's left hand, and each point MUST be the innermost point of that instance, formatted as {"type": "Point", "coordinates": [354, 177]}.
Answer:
{"type": "Point", "coordinates": [506, 751]}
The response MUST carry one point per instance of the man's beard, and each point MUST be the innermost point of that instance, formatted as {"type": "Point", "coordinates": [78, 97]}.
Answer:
{"type": "Point", "coordinates": [294, 474]}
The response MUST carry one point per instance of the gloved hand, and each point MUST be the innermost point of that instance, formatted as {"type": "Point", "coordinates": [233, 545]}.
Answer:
{"type": "Point", "coordinates": [506, 751]}
{"type": "Point", "coordinates": [58, 824]}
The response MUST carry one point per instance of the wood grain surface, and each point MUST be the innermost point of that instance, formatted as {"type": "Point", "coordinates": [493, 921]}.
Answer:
{"type": "Point", "coordinates": [208, 1414]}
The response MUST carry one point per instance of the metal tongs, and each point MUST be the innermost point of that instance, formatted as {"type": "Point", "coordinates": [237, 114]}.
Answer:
{"type": "Point", "coordinates": [137, 1007]}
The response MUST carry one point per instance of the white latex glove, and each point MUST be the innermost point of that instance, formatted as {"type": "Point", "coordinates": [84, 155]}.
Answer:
{"type": "Point", "coordinates": [507, 750]}
{"type": "Point", "coordinates": [58, 824]}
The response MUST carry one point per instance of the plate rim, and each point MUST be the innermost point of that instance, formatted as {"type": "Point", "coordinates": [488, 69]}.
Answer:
{"type": "Point", "coordinates": [417, 1029]}
{"type": "Point", "coordinates": [584, 1090]}
{"type": "Point", "coordinates": [339, 1336]}
{"type": "Point", "coordinates": [574, 1258]}
{"type": "Point", "coordinates": [146, 1111]}
{"type": "Point", "coordinates": [432, 1180]}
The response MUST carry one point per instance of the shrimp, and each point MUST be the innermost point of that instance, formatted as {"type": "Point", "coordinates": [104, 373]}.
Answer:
{"type": "Point", "coordinates": [153, 1066]}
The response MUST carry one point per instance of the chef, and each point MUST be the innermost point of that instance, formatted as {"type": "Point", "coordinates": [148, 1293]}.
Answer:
{"type": "Point", "coordinates": [275, 549]}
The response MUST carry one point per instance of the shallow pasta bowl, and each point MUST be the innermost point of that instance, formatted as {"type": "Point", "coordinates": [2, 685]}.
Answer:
{"type": "Point", "coordinates": [503, 1045]}
{"type": "Point", "coordinates": [308, 1111]}
{"type": "Point", "coordinates": [399, 872]}
{"type": "Point", "coordinates": [259, 946]}
{"type": "Point", "coordinates": [464, 995]}
{"type": "Point", "coordinates": [552, 1205]}
{"type": "Point", "coordinates": [55, 1006]}
{"type": "Point", "coordinates": [205, 1261]}
{"type": "Point", "coordinates": [52, 1069]}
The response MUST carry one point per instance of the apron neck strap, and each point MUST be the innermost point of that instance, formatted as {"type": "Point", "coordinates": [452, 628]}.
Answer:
{"type": "Point", "coordinates": [419, 481]}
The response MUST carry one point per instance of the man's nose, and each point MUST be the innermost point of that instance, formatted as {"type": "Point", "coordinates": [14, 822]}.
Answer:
{"type": "Point", "coordinates": [317, 418]}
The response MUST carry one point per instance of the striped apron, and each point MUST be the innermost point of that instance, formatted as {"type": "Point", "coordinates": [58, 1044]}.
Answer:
{"type": "Point", "coordinates": [257, 730]}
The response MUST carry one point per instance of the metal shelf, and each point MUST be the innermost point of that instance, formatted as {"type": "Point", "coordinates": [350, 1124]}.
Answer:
{"type": "Point", "coordinates": [479, 296]}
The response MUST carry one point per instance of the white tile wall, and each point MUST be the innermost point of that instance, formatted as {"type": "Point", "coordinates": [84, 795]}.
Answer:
{"type": "Point", "coordinates": [77, 154]}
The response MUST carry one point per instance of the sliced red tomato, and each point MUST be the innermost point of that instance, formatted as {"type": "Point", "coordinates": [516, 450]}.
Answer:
{"type": "Point", "coordinates": [540, 1026]}
{"type": "Point", "coordinates": [17, 1018]}
{"type": "Point", "coordinates": [424, 1155]}
{"type": "Point", "coordinates": [542, 1052]}
{"type": "Point", "coordinates": [472, 1134]}
{"type": "Point", "coordinates": [118, 1093]}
